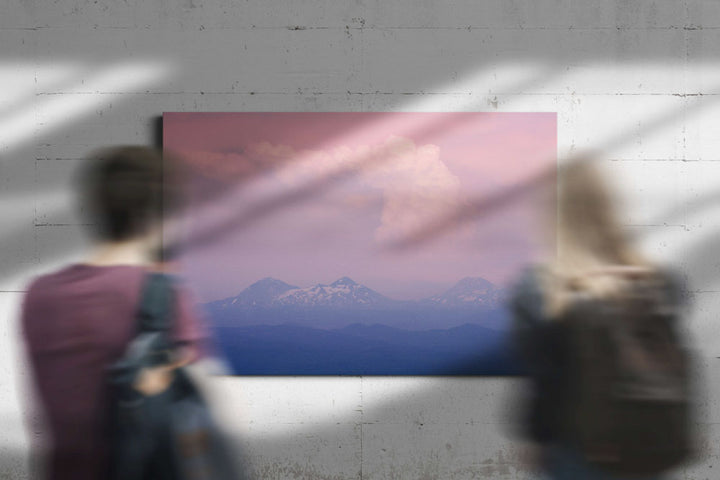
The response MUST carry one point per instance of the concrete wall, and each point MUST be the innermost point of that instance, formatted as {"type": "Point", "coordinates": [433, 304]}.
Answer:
{"type": "Point", "coordinates": [637, 80]}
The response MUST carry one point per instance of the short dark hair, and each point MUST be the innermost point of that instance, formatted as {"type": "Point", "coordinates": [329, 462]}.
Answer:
{"type": "Point", "coordinates": [125, 190]}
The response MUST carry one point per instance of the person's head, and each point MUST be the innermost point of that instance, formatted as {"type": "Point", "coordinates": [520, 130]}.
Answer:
{"type": "Point", "coordinates": [588, 230]}
{"type": "Point", "coordinates": [589, 236]}
{"type": "Point", "coordinates": [126, 191]}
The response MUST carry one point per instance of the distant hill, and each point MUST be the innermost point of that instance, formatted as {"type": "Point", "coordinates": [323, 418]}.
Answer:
{"type": "Point", "coordinates": [468, 292]}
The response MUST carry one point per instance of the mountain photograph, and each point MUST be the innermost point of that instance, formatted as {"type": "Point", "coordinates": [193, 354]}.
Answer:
{"type": "Point", "coordinates": [360, 243]}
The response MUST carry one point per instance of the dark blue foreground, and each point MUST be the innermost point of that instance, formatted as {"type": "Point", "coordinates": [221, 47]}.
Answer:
{"type": "Point", "coordinates": [365, 350]}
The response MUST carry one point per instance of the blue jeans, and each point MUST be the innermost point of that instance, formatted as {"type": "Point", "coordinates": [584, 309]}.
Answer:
{"type": "Point", "coordinates": [564, 463]}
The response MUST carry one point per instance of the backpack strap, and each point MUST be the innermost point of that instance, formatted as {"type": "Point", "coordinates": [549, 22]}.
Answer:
{"type": "Point", "coordinates": [154, 319]}
{"type": "Point", "coordinates": [157, 298]}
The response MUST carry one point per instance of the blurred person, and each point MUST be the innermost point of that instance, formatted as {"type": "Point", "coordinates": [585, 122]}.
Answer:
{"type": "Point", "coordinates": [79, 320]}
{"type": "Point", "coordinates": [596, 326]}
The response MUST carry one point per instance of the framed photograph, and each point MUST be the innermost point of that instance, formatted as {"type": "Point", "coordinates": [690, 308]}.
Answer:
{"type": "Point", "coordinates": [361, 243]}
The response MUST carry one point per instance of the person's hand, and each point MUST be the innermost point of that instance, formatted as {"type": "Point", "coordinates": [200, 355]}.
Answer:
{"type": "Point", "coordinates": [531, 456]}
{"type": "Point", "coordinates": [154, 380]}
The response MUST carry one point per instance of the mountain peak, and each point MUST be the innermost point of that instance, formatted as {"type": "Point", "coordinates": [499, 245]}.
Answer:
{"type": "Point", "coordinates": [269, 284]}
{"type": "Point", "coordinates": [269, 281]}
{"type": "Point", "coordinates": [262, 292]}
{"type": "Point", "coordinates": [343, 281]}
{"type": "Point", "coordinates": [474, 282]}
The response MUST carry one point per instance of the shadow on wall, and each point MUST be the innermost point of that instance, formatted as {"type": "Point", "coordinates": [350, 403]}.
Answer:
{"type": "Point", "coordinates": [555, 52]}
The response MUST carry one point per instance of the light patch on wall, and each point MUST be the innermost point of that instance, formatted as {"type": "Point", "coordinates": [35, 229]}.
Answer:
{"type": "Point", "coordinates": [45, 111]}
{"type": "Point", "coordinates": [21, 82]}
{"type": "Point", "coordinates": [285, 405]}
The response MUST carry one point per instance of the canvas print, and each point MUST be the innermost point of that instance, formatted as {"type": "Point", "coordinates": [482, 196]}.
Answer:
{"type": "Point", "coordinates": [360, 243]}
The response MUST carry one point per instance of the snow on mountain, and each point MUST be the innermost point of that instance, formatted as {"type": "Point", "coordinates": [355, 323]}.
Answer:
{"type": "Point", "coordinates": [260, 293]}
{"type": "Point", "coordinates": [343, 292]}
{"type": "Point", "coordinates": [470, 291]}
{"type": "Point", "coordinates": [270, 292]}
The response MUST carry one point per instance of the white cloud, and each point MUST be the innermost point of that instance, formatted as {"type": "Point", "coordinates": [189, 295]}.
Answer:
{"type": "Point", "coordinates": [415, 185]}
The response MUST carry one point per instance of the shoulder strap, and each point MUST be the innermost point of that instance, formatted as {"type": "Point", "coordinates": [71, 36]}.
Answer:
{"type": "Point", "coordinates": [527, 300]}
{"type": "Point", "coordinates": [155, 312]}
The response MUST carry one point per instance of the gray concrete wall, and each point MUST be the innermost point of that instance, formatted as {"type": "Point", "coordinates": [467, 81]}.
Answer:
{"type": "Point", "coordinates": [637, 80]}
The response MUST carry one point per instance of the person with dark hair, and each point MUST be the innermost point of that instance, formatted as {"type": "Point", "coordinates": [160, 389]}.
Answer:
{"type": "Point", "coordinates": [79, 320]}
{"type": "Point", "coordinates": [124, 191]}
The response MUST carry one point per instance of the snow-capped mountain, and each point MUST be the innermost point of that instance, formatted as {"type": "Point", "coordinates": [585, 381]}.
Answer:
{"type": "Point", "coordinates": [345, 302]}
{"type": "Point", "coordinates": [343, 292]}
{"type": "Point", "coordinates": [470, 291]}
{"type": "Point", "coordinates": [270, 292]}
{"type": "Point", "coordinates": [260, 293]}
{"type": "Point", "coordinates": [346, 293]}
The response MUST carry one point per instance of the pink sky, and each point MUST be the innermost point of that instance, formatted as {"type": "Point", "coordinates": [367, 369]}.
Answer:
{"type": "Point", "coordinates": [407, 169]}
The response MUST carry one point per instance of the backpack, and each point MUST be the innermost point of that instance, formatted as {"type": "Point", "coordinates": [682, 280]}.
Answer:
{"type": "Point", "coordinates": [628, 397]}
{"type": "Point", "coordinates": [169, 436]}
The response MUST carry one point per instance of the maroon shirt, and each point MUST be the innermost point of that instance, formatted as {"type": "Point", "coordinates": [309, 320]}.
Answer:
{"type": "Point", "coordinates": [76, 322]}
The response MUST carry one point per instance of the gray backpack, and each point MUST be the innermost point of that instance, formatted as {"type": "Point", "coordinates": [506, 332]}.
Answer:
{"type": "Point", "coordinates": [172, 435]}
{"type": "Point", "coordinates": [628, 405]}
